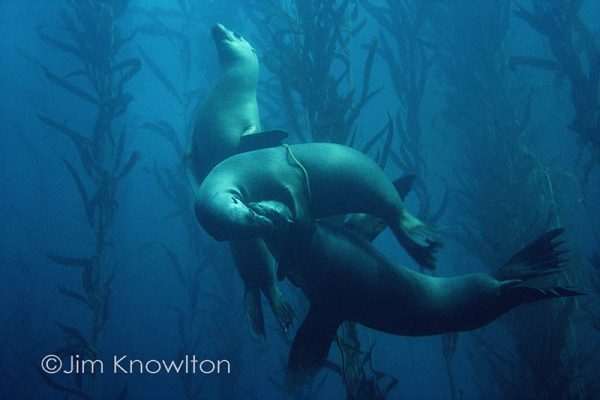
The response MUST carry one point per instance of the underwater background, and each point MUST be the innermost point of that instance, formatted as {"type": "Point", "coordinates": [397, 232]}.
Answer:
{"type": "Point", "coordinates": [494, 105]}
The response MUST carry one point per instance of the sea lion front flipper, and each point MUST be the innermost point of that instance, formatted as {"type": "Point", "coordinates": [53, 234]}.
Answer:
{"type": "Point", "coordinates": [254, 313]}
{"type": "Point", "coordinates": [255, 265]}
{"type": "Point", "coordinates": [310, 347]}
{"type": "Point", "coordinates": [261, 140]}
{"type": "Point", "coordinates": [284, 312]}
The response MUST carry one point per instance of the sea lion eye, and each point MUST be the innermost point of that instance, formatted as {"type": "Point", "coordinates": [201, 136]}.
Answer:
{"type": "Point", "coordinates": [237, 35]}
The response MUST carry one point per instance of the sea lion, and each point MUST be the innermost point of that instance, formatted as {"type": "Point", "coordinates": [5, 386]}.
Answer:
{"type": "Point", "coordinates": [313, 180]}
{"type": "Point", "coordinates": [228, 122]}
{"type": "Point", "coordinates": [230, 110]}
{"type": "Point", "coordinates": [346, 279]}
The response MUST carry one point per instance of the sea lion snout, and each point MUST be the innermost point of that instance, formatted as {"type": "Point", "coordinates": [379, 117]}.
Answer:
{"type": "Point", "coordinates": [226, 217]}
{"type": "Point", "coordinates": [219, 32]}
{"type": "Point", "coordinates": [232, 47]}
{"type": "Point", "coordinates": [276, 211]}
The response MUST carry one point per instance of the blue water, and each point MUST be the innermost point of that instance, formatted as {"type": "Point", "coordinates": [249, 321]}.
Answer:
{"type": "Point", "coordinates": [152, 312]}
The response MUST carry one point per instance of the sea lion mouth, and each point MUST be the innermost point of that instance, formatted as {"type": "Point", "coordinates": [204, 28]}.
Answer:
{"type": "Point", "coordinates": [219, 32]}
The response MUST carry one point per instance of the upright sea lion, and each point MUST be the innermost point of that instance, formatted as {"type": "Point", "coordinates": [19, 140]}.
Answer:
{"type": "Point", "coordinates": [313, 180]}
{"type": "Point", "coordinates": [226, 123]}
{"type": "Point", "coordinates": [228, 120]}
{"type": "Point", "coordinates": [346, 279]}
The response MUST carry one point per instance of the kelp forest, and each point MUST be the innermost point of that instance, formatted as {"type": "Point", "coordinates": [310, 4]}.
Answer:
{"type": "Point", "coordinates": [488, 111]}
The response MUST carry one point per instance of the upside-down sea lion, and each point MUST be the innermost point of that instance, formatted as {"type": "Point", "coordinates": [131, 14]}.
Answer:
{"type": "Point", "coordinates": [345, 278]}
{"type": "Point", "coordinates": [313, 180]}
{"type": "Point", "coordinates": [228, 122]}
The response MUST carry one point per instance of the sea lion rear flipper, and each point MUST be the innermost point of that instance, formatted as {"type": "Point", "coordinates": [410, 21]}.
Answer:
{"type": "Point", "coordinates": [367, 225]}
{"type": "Point", "coordinates": [261, 140]}
{"type": "Point", "coordinates": [310, 347]}
{"type": "Point", "coordinates": [420, 240]}
{"type": "Point", "coordinates": [254, 313]}
{"type": "Point", "coordinates": [370, 226]}
{"type": "Point", "coordinates": [539, 258]}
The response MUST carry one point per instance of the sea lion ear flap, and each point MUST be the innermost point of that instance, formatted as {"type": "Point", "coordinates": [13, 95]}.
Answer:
{"type": "Point", "coordinates": [262, 140]}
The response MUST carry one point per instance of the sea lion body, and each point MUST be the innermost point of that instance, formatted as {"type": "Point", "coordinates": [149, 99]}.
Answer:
{"type": "Point", "coordinates": [346, 279]}
{"type": "Point", "coordinates": [227, 116]}
{"type": "Point", "coordinates": [230, 110]}
{"type": "Point", "coordinates": [342, 272]}
{"type": "Point", "coordinates": [313, 180]}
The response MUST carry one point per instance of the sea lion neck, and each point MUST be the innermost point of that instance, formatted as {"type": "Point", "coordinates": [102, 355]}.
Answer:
{"type": "Point", "coordinates": [238, 77]}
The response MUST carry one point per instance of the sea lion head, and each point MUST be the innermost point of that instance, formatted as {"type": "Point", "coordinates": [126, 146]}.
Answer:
{"type": "Point", "coordinates": [226, 217]}
{"type": "Point", "coordinates": [232, 47]}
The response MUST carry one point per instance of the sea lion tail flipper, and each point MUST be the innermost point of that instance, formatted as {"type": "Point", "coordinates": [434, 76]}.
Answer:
{"type": "Point", "coordinates": [310, 348]}
{"type": "Point", "coordinates": [254, 313]}
{"type": "Point", "coordinates": [261, 140]}
{"type": "Point", "coordinates": [538, 258]}
{"type": "Point", "coordinates": [420, 240]}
